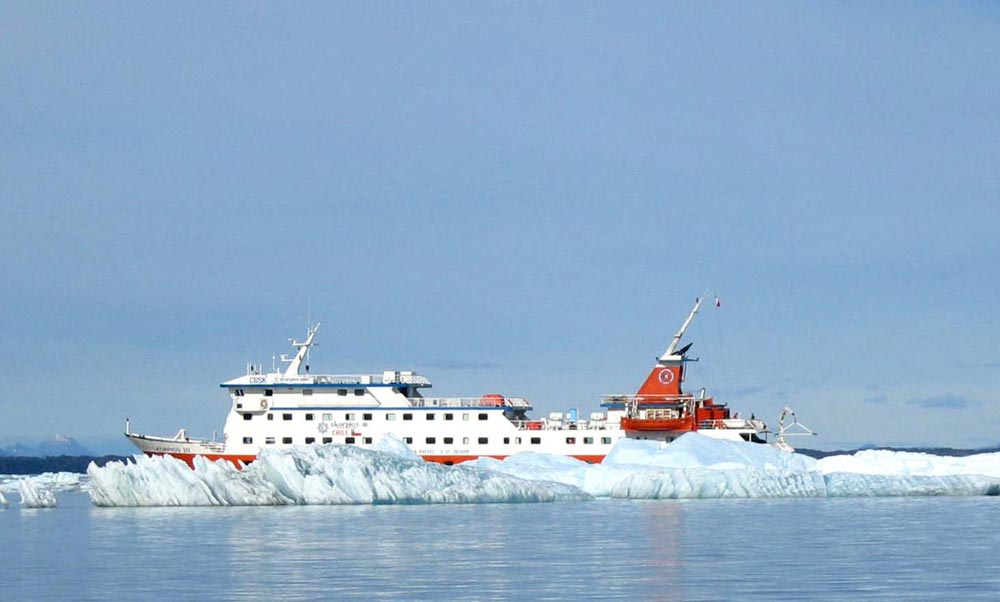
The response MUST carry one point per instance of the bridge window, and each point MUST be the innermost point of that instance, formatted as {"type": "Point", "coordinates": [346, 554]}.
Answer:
{"type": "Point", "coordinates": [270, 416]}
{"type": "Point", "coordinates": [327, 416]}
{"type": "Point", "coordinates": [349, 416]}
{"type": "Point", "coordinates": [517, 440]}
{"type": "Point", "coordinates": [431, 440]}
{"type": "Point", "coordinates": [483, 440]}
{"type": "Point", "coordinates": [327, 439]}
{"type": "Point", "coordinates": [465, 415]}
{"type": "Point", "coordinates": [606, 440]}
{"type": "Point", "coordinates": [247, 439]}
{"type": "Point", "coordinates": [465, 440]}
{"type": "Point", "coordinates": [286, 439]}
{"type": "Point", "coordinates": [268, 392]}
{"type": "Point", "coordinates": [484, 416]}
{"type": "Point", "coordinates": [307, 392]}
{"type": "Point", "coordinates": [536, 440]}
{"type": "Point", "coordinates": [238, 392]}
{"type": "Point", "coordinates": [449, 440]}
{"type": "Point", "coordinates": [430, 415]}
{"type": "Point", "coordinates": [449, 416]}
{"type": "Point", "coordinates": [269, 441]}
{"type": "Point", "coordinates": [310, 440]}
{"type": "Point", "coordinates": [408, 440]}
{"type": "Point", "coordinates": [366, 416]}
{"type": "Point", "coordinates": [390, 416]}
{"type": "Point", "coordinates": [359, 392]}
{"type": "Point", "coordinates": [368, 440]}
{"type": "Point", "coordinates": [588, 440]}
{"type": "Point", "coordinates": [506, 440]}
{"type": "Point", "coordinates": [571, 440]}
{"type": "Point", "coordinates": [286, 416]}
{"type": "Point", "coordinates": [309, 416]}
{"type": "Point", "coordinates": [349, 440]}
{"type": "Point", "coordinates": [407, 416]}
{"type": "Point", "coordinates": [341, 391]}
{"type": "Point", "coordinates": [247, 416]}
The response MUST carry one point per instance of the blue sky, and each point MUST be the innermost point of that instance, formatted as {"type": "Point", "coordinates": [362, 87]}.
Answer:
{"type": "Point", "coordinates": [515, 198]}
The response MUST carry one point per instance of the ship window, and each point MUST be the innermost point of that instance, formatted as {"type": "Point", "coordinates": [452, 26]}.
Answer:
{"type": "Point", "coordinates": [268, 392]}
{"type": "Point", "coordinates": [407, 416]}
{"type": "Point", "coordinates": [366, 416]}
{"type": "Point", "coordinates": [286, 416]}
{"type": "Point", "coordinates": [449, 416]}
{"type": "Point", "coordinates": [309, 416]}
{"type": "Point", "coordinates": [465, 415]}
{"type": "Point", "coordinates": [506, 440]}
{"type": "Point", "coordinates": [307, 391]}
{"type": "Point", "coordinates": [484, 416]}
{"type": "Point", "coordinates": [327, 416]}
{"type": "Point", "coordinates": [483, 440]}
{"type": "Point", "coordinates": [349, 440]}
{"type": "Point", "coordinates": [359, 392]}
{"type": "Point", "coordinates": [430, 415]}
{"type": "Point", "coordinates": [327, 439]}
{"type": "Point", "coordinates": [238, 392]}
{"type": "Point", "coordinates": [349, 416]}
{"type": "Point", "coordinates": [239, 406]}
{"type": "Point", "coordinates": [517, 440]}
{"type": "Point", "coordinates": [449, 440]}
{"type": "Point", "coordinates": [536, 440]}
{"type": "Point", "coordinates": [341, 391]}
{"type": "Point", "coordinates": [588, 440]}
{"type": "Point", "coordinates": [465, 440]}
{"type": "Point", "coordinates": [247, 439]}
{"type": "Point", "coordinates": [247, 416]}
{"type": "Point", "coordinates": [368, 440]}
{"type": "Point", "coordinates": [310, 440]}
{"type": "Point", "coordinates": [270, 416]}
{"type": "Point", "coordinates": [390, 416]}
{"type": "Point", "coordinates": [431, 440]}
{"type": "Point", "coordinates": [408, 440]}
{"type": "Point", "coordinates": [571, 440]}
{"type": "Point", "coordinates": [286, 439]}
{"type": "Point", "coordinates": [269, 440]}
{"type": "Point", "coordinates": [605, 440]}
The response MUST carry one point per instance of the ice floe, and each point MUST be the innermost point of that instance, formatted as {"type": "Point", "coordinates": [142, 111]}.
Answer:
{"type": "Point", "coordinates": [693, 466]}
{"type": "Point", "coordinates": [33, 496]}
{"type": "Point", "coordinates": [313, 474]}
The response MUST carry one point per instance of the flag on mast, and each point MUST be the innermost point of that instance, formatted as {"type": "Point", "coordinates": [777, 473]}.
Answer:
{"type": "Point", "coordinates": [717, 302]}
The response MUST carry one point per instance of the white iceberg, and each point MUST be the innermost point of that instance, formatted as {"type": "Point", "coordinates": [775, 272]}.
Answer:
{"type": "Point", "coordinates": [35, 497]}
{"type": "Point", "coordinates": [312, 474]}
{"type": "Point", "coordinates": [693, 466]}
{"type": "Point", "coordinates": [3, 500]}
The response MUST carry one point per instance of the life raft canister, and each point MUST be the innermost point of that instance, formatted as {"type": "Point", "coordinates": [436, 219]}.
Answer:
{"type": "Point", "coordinates": [492, 399]}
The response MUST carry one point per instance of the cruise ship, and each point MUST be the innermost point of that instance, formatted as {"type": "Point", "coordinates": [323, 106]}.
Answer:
{"type": "Point", "coordinates": [292, 406]}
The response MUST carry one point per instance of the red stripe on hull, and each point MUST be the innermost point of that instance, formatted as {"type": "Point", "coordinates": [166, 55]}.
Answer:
{"type": "Point", "coordinates": [241, 461]}
{"type": "Point", "coordinates": [237, 461]}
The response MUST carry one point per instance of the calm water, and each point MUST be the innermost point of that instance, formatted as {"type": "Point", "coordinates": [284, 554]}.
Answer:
{"type": "Point", "coordinates": [839, 549]}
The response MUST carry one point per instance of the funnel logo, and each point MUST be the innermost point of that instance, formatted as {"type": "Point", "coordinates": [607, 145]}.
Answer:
{"type": "Point", "coordinates": [666, 376]}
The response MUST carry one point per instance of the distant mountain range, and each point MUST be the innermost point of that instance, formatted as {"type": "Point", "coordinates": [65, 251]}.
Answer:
{"type": "Point", "coordinates": [61, 445]}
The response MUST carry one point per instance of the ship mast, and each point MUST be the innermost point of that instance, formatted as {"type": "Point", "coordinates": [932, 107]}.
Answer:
{"type": "Point", "coordinates": [303, 349]}
{"type": "Point", "coordinates": [680, 333]}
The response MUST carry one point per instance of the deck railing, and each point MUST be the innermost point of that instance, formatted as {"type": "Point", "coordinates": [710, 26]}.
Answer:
{"type": "Point", "coordinates": [470, 402]}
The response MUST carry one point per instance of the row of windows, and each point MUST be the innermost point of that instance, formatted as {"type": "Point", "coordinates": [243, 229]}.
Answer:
{"type": "Point", "coordinates": [390, 416]}
{"type": "Point", "coordinates": [270, 392]}
{"type": "Point", "coordinates": [429, 440]}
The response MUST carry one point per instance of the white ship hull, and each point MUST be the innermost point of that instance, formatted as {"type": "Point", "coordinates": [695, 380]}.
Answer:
{"type": "Point", "coordinates": [281, 409]}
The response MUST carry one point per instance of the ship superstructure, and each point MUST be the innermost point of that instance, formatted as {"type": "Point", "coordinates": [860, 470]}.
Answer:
{"type": "Point", "coordinates": [294, 407]}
